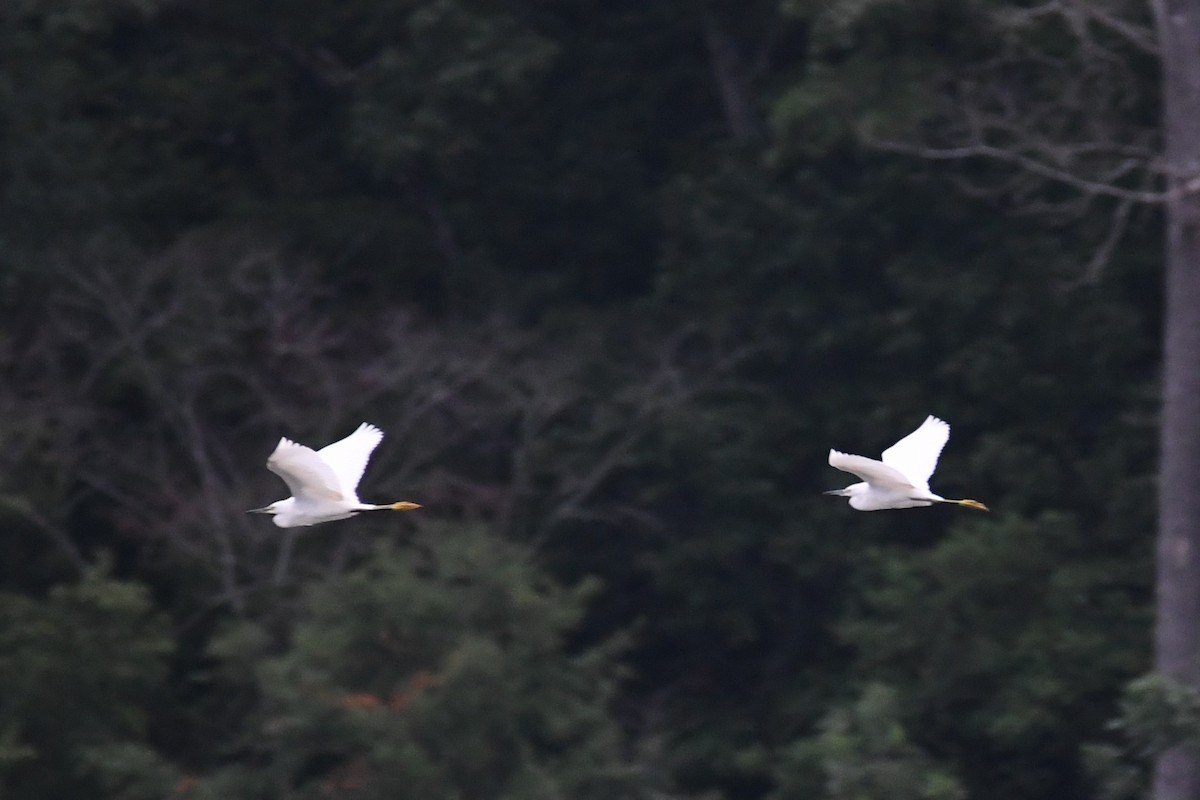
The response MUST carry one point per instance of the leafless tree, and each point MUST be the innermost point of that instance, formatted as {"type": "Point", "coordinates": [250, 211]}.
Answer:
{"type": "Point", "coordinates": [165, 380]}
{"type": "Point", "coordinates": [1063, 134]}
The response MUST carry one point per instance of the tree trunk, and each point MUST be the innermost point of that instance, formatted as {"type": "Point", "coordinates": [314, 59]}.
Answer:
{"type": "Point", "coordinates": [733, 81]}
{"type": "Point", "coordinates": [1177, 633]}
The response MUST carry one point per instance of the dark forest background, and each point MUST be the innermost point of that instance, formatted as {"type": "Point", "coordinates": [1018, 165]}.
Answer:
{"type": "Point", "coordinates": [613, 277]}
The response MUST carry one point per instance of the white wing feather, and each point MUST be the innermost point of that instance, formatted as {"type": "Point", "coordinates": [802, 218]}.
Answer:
{"type": "Point", "coordinates": [348, 458]}
{"type": "Point", "coordinates": [874, 472]}
{"type": "Point", "coordinates": [916, 455]}
{"type": "Point", "coordinates": [309, 477]}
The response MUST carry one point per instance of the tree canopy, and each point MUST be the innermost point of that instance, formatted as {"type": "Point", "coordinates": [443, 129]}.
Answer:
{"type": "Point", "coordinates": [612, 277]}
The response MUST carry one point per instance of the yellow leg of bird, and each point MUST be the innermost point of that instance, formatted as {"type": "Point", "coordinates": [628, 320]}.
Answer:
{"type": "Point", "coordinates": [405, 506]}
{"type": "Point", "coordinates": [975, 504]}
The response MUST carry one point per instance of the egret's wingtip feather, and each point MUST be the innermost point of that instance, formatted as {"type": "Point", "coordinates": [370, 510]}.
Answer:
{"type": "Point", "coordinates": [367, 427]}
{"type": "Point", "coordinates": [838, 459]}
{"type": "Point", "coordinates": [348, 457]}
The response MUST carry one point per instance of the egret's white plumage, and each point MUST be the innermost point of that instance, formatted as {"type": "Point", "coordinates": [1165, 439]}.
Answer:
{"type": "Point", "coordinates": [901, 478]}
{"type": "Point", "coordinates": [324, 482]}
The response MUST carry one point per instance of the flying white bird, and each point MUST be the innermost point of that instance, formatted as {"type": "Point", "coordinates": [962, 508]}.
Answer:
{"type": "Point", "coordinates": [324, 483]}
{"type": "Point", "coordinates": [901, 478]}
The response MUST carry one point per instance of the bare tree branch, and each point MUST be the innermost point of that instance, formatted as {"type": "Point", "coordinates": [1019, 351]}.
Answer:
{"type": "Point", "coordinates": [1085, 185]}
{"type": "Point", "coordinates": [1080, 15]}
{"type": "Point", "coordinates": [1057, 132]}
{"type": "Point", "coordinates": [169, 390]}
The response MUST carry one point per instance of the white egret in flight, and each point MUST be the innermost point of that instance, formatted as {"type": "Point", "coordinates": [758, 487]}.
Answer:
{"type": "Point", "coordinates": [324, 483]}
{"type": "Point", "coordinates": [901, 478]}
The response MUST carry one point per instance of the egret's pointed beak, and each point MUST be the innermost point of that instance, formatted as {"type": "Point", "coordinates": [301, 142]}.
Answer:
{"type": "Point", "coordinates": [836, 492]}
{"type": "Point", "coordinates": [405, 506]}
{"type": "Point", "coordinates": [975, 504]}
{"type": "Point", "coordinates": [263, 510]}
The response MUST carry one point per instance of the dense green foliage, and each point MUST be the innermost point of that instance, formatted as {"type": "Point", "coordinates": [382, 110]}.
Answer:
{"type": "Point", "coordinates": [613, 277]}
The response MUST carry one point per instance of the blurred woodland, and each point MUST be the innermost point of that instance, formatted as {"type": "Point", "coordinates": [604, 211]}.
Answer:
{"type": "Point", "coordinates": [613, 277]}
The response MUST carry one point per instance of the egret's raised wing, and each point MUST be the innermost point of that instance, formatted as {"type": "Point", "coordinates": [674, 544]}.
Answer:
{"type": "Point", "coordinates": [916, 455]}
{"type": "Point", "coordinates": [348, 458]}
{"type": "Point", "coordinates": [873, 472]}
{"type": "Point", "coordinates": [309, 478]}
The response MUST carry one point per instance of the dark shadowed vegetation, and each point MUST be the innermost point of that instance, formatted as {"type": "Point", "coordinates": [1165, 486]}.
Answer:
{"type": "Point", "coordinates": [612, 277]}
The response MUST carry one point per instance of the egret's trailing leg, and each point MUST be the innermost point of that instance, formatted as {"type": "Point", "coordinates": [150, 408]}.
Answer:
{"type": "Point", "coordinates": [975, 504]}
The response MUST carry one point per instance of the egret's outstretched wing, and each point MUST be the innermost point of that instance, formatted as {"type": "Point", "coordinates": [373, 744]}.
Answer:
{"type": "Point", "coordinates": [873, 472]}
{"type": "Point", "coordinates": [348, 458]}
{"type": "Point", "coordinates": [916, 455]}
{"type": "Point", "coordinates": [309, 478]}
